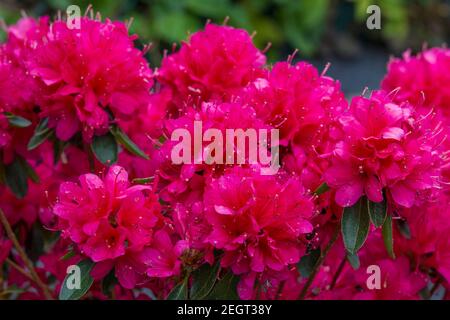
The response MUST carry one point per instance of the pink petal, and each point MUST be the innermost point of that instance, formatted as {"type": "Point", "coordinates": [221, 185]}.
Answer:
{"type": "Point", "coordinates": [66, 127]}
{"type": "Point", "coordinates": [373, 189]}
{"type": "Point", "coordinates": [348, 194]}
{"type": "Point", "coordinates": [339, 173]}
{"type": "Point", "coordinates": [116, 180]}
{"type": "Point", "coordinates": [403, 195]}
{"type": "Point", "coordinates": [126, 274]}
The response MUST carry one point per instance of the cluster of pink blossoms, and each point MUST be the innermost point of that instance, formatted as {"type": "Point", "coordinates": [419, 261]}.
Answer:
{"type": "Point", "coordinates": [85, 163]}
{"type": "Point", "coordinates": [385, 146]}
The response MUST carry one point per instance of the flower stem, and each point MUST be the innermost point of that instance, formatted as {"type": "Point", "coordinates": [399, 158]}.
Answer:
{"type": "Point", "coordinates": [338, 272]}
{"type": "Point", "coordinates": [32, 272]}
{"type": "Point", "coordinates": [19, 268]}
{"type": "Point", "coordinates": [319, 262]}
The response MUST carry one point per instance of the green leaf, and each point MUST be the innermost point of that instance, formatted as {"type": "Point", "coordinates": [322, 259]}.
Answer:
{"type": "Point", "coordinates": [355, 225]}
{"type": "Point", "coordinates": [127, 143]}
{"type": "Point", "coordinates": [308, 262]}
{"type": "Point", "coordinates": [143, 180]}
{"type": "Point", "coordinates": [58, 149]}
{"type": "Point", "coordinates": [42, 124]}
{"type": "Point", "coordinates": [322, 189]}
{"type": "Point", "coordinates": [69, 254]}
{"type": "Point", "coordinates": [180, 291]}
{"type": "Point", "coordinates": [387, 236]}
{"type": "Point", "coordinates": [85, 282]}
{"type": "Point", "coordinates": [29, 170]}
{"type": "Point", "coordinates": [204, 280]}
{"type": "Point", "coordinates": [377, 212]}
{"type": "Point", "coordinates": [225, 288]}
{"type": "Point", "coordinates": [105, 149]}
{"type": "Point", "coordinates": [17, 121]}
{"type": "Point", "coordinates": [39, 138]}
{"type": "Point", "coordinates": [433, 291]}
{"type": "Point", "coordinates": [41, 133]}
{"type": "Point", "coordinates": [108, 283]}
{"type": "Point", "coordinates": [149, 293]}
{"type": "Point", "coordinates": [439, 293]}
{"type": "Point", "coordinates": [16, 178]}
{"type": "Point", "coordinates": [403, 228]}
{"type": "Point", "coordinates": [353, 259]}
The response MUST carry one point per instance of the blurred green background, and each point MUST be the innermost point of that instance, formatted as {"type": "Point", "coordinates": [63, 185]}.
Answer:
{"type": "Point", "coordinates": [323, 30]}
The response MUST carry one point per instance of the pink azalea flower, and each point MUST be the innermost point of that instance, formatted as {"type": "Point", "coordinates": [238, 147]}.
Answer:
{"type": "Point", "coordinates": [162, 258]}
{"type": "Point", "coordinates": [422, 79]}
{"type": "Point", "coordinates": [385, 145]}
{"type": "Point", "coordinates": [257, 220]}
{"type": "Point", "coordinates": [109, 220]}
{"type": "Point", "coordinates": [77, 88]}
{"type": "Point", "coordinates": [15, 100]}
{"type": "Point", "coordinates": [297, 100]}
{"type": "Point", "coordinates": [304, 105]}
{"type": "Point", "coordinates": [13, 78]}
{"type": "Point", "coordinates": [214, 64]}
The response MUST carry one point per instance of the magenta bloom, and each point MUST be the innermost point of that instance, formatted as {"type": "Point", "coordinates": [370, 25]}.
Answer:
{"type": "Point", "coordinates": [385, 146]}
{"type": "Point", "coordinates": [108, 219]}
{"type": "Point", "coordinates": [14, 77]}
{"type": "Point", "coordinates": [203, 211]}
{"type": "Point", "coordinates": [304, 105]}
{"type": "Point", "coordinates": [257, 220]}
{"type": "Point", "coordinates": [297, 100]}
{"type": "Point", "coordinates": [214, 64]}
{"type": "Point", "coordinates": [422, 80]}
{"type": "Point", "coordinates": [83, 73]}
{"type": "Point", "coordinates": [162, 257]}
{"type": "Point", "coordinates": [13, 80]}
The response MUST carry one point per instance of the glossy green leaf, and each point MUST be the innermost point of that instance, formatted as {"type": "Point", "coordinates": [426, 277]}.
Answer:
{"type": "Point", "coordinates": [180, 291]}
{"type": "Point", "coordinates": [225, 288]}
{"type": "Point", "coordinates": [353, 259]}
{"type": "Point", "coordinates": [17, 121]}
{"type": "Point", "coordinates": [377, 212]}
{"type": "Point", "coordinates": [388, 237]}
{"type": "Point", "coordinates": [403, 228]}
{"type": "Point", "coordinates": [85, 282]}
{"type": "Point", "coordinates": [204, 280]}
{"type": "Point", "coordinates": [355, 225]}
{"type": "Point", "coordinates": [127, 143]}
{"type": "Point", "coordinates": [105, 149]}
{"type": "Point", "coordinates": [108, 283]}
{"type": "Point", "coordinates": [322, 189]}
{"type": "Point", "coordinates": [29, 171]}
{"type": "Point", "coordinates": [41, 134]}
{"type": "Point", "coordinates": [308, 262]}
{"type": "Point", "coordinates": [16, 178]}
{"type": "Point", "coordinates": [143, 180]}
{"type": "Point", "coordinates": [69, 254]}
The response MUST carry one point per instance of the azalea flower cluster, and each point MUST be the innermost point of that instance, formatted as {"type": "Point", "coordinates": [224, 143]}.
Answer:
{"type": "Point", "coordinates": [85, 166]}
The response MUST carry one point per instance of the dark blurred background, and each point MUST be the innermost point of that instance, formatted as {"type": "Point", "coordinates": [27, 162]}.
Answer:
{"type": "Point", "coordinates": [322, 30]}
